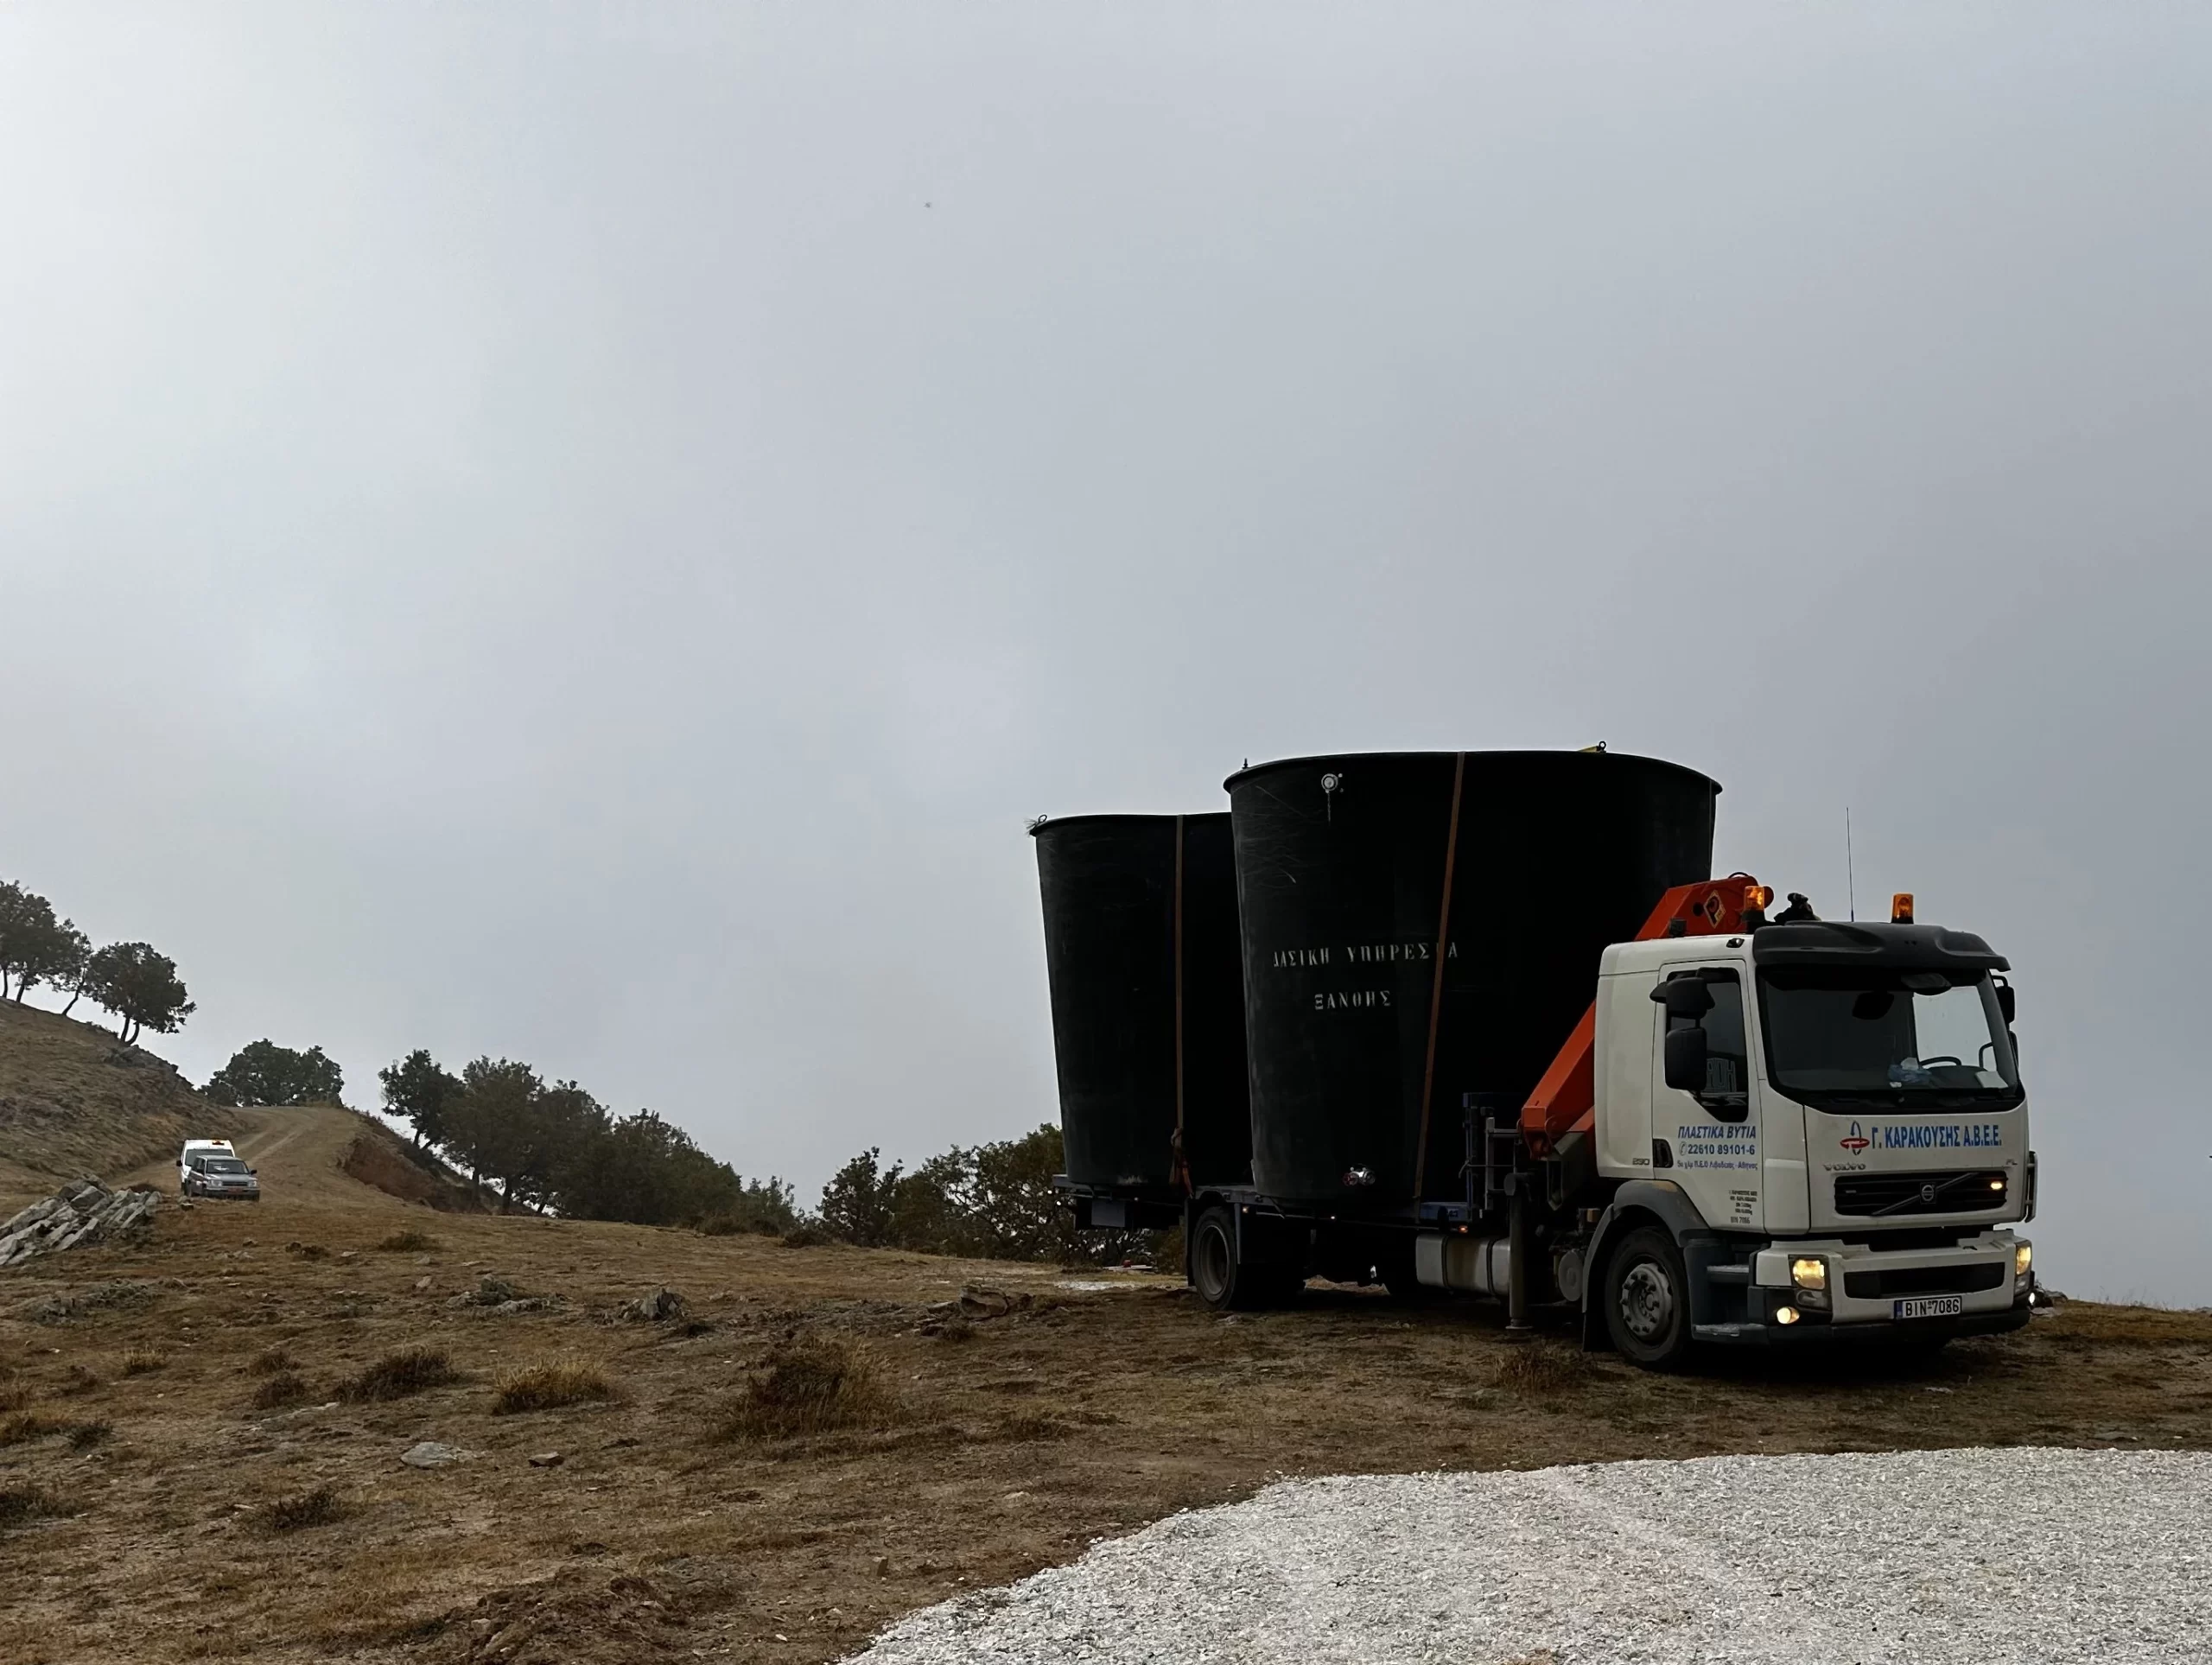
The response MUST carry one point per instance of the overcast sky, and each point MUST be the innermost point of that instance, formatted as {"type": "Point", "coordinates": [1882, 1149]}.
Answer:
{"type": "Point", "coordinates": [583, 534]}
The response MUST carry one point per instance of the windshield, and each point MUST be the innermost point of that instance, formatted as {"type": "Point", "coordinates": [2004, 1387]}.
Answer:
{"type": "Point", "coordinates": [222, 1165]}
{"type": "Point", "coordinates": [1915, 1039]}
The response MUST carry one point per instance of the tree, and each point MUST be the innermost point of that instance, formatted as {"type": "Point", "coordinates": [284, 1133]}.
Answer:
{"type": "Point", "coordinates": [417, 1089]}
{"type": "Point", "coordinates": [996, 1201]}
{"type": "Point", "coordinates": [140, 986]}
{"type": "Point", "coordinates": [857, 1203]}
{"type": "Point", "coordinates": [262, 1072]}
{"type": "Point", "coordinates": [488, 1122]}
{"type": "Point", "coordinates": [35, 946]}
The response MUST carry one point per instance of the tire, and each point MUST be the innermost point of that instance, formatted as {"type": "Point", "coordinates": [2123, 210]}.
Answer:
{"type": "Point", "coordinates": [1647, 1300]}
{"type": "Point", "coordinates": [1227, 1284]}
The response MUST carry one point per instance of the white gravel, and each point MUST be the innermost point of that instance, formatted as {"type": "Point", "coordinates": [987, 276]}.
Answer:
{"type": "Point", "coordinates": [2015, 1555]}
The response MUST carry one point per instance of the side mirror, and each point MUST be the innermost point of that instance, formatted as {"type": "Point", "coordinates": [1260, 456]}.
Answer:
{"type": "Point", "coordinates": [1685, 1055]}
{"type": "Point", "coordinates": [2005, 1003]}
{"type": "Point", "coordinates": [1687, 998]}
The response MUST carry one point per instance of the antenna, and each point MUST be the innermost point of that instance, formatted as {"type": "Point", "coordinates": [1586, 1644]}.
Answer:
{"type": "Point", "coordinates": [1850, 875]}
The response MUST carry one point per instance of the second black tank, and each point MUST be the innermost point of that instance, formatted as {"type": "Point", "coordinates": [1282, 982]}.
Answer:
{"type": "Point", "coordinates": [1418, 925]}
{"type": "Point", "coordinates": [1143, 949]}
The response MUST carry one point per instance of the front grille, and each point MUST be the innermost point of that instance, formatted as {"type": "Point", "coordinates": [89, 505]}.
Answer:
{"type": "Point", "coordinates": [1956, 1192]}
{"type": "Point", "coordinates": [1923, 1280]}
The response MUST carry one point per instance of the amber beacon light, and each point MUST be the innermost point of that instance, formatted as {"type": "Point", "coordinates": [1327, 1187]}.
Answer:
{"type": "Point", "coordinates": [1901, 908]}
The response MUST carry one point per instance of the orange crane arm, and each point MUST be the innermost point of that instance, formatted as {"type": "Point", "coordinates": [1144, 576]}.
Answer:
{"type": "Point", "coordinates": [1565, 1100]}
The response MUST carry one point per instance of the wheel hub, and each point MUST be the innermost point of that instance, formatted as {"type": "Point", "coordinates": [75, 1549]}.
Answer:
{"type": "Point", "coordinates": [1647, 1300]}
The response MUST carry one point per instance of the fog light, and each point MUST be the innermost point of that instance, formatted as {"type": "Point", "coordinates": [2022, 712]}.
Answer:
{"type": "Point", "coordinates": [1809, 1274]}
{"type": "Point", "coordinates": [1785, 1315]}
{"type": "Point", "coordinates": [2023, 1259]}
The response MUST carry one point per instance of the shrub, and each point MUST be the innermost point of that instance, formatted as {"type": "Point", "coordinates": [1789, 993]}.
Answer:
{"type": "Point", "coordinates": [26, 1426]}
{"type": "Point", "coordinates": [285, 1388]}
{"type": "Point", "coordinates": [143, 1361]}
{"type": "Point", "coordinates": [20, 1504]}
{"type": "Point", "coordinates": [548, 1387]}
{"type": "Point", "coordinates": [79, 1380]}
{"type": "Point", "coordinates": [810, 1385]}
{"type": "Point", "coordinates": [83, 1436]}
{"type": "Point", "coordinates": [273, 1361]}
{"type": "Point", "coordinates": [319, 1507]}
{"type": "Point", "coordinates": [395, 1376]}
{"type": "Point", "coordinates": [411, 1240]}
{"type": "Point", "coordinates": [1536, 1367]}
{"type": "Point", "coordinates": [13, 1396]}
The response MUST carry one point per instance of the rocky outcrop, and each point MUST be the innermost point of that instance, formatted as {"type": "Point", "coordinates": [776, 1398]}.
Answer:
{"type": "Point", "coordinates": [86, 1212]}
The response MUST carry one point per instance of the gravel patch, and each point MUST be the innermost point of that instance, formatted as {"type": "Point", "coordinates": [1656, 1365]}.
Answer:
{"type": "Point", "coordinates": [1928, 1557]}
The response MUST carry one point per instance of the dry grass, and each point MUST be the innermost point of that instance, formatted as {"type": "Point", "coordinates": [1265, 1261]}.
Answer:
{"type": "Point", "coordinates": [2081, 1324]}
{"type": "Point", "coordinates": [810, 1385]}
{"type": "Point", "coordinates": [548, 1387]}
{"type": "Point", "coordinates": [25, 1502]}
{"type": "Point", "coordinates": [143, 1361]}
{"type": "Point", "coordinates": [317, 1507]}
{"type": "Point", "coordinates": [23, 1426]}
{"type": "Point", "coordinates": [13, 1396]}
{"type": "Point", "coordinates": [80, 1111]}
{"type": "Point", "coordinates": [273, 1361]}
{"type": "Point", "coordinates": [1536, 1367]}
{"type": "Point", "coordinates": [410, 1240]}
{"type": "Point", "coordinates": [409, 1370]}
{"type": "Point", "coordinates": [78, 1380]}
{"type": "Point", "coordinates": [83, 1436]}
{"type": "Point", "coordinates": [285, 1389]}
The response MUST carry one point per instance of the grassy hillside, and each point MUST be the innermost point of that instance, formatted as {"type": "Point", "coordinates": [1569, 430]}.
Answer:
{"type": "Point", "coordinates": [75, 1101]}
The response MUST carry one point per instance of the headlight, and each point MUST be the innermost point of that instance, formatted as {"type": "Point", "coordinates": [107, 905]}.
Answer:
{"type": "Point", "coordinates": [2023, 1259]}
{"type": "Point", "coordinates": [1809, 1274]}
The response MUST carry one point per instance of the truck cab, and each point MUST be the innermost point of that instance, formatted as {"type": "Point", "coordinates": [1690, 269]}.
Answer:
{"type": "Point", "coordinates": [1827, 1123]}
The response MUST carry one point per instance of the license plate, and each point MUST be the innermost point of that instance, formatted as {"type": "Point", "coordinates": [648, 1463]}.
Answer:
{"type": "Point", "coordinates": [1930, 1307]}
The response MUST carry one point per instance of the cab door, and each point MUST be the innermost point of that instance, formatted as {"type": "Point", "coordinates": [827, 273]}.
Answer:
{"type": "Point", "coordinates": [1706, 1138]}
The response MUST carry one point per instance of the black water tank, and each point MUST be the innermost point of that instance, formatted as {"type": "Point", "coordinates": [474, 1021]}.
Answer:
{"type": "Point", "coordinates": [1142, 947]}
{"type": "Point", "coordinates": [1343, 865]}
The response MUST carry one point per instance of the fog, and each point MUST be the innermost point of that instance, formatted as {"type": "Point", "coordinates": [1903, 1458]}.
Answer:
{"type": "Point", "coordinates": [584, 534]}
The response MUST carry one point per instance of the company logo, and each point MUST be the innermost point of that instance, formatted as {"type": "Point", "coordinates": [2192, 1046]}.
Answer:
{"type": "Point", "coordinates": [1855, 1141]}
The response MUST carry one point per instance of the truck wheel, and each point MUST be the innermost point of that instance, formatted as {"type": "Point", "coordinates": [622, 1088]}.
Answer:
{"type": "Point", "coordinates": [1647, 1300]}
{"type": "Point", "coordinates": [1222, 1281]}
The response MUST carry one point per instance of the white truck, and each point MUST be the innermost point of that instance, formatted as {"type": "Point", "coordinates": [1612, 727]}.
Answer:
{"type": "Point", "coordinates": [1773, 1133]}
{"type": "Point", "coordinates": [1805, 1130]}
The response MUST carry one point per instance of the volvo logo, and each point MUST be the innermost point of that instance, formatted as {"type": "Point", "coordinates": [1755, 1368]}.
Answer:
{"type": "Point", "coordinates": [1928, 1193]}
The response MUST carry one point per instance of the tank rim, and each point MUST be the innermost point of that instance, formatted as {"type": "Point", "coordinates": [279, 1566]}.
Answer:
{"type": "Point", "coordinates": [1342, 758]}
{"type": "Point", "coordinates": [1053, 821]}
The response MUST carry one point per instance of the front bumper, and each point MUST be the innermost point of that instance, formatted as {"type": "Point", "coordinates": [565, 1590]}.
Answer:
{"type": "Point", "coordinates": [1977, 1270]}
{"type": "Point", "coordinates": [1888, 1333]}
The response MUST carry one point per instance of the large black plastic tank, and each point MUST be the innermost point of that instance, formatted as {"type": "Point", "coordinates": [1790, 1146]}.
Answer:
{"type": "Point", "coordinates": [1344, 867]}
{"type": "Point", "coordinates": [1142, 947]}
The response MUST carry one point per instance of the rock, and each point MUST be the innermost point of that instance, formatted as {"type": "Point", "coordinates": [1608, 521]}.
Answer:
{"type": "Point", "coordinates": [493, 1292]}
{"type": "Point", "coordinates": [422, 1283]}
{"type": "Point", "coordinates": [83, 1212]}
{"type": "Point", "coordinates": [432, 1454]}
{"type": "Point", "coordinates": [547, 1459]}
{"type": "Point", "coordinates": [659, 1307]}
{"type": "Point", "coordinates": [507, 1309]}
